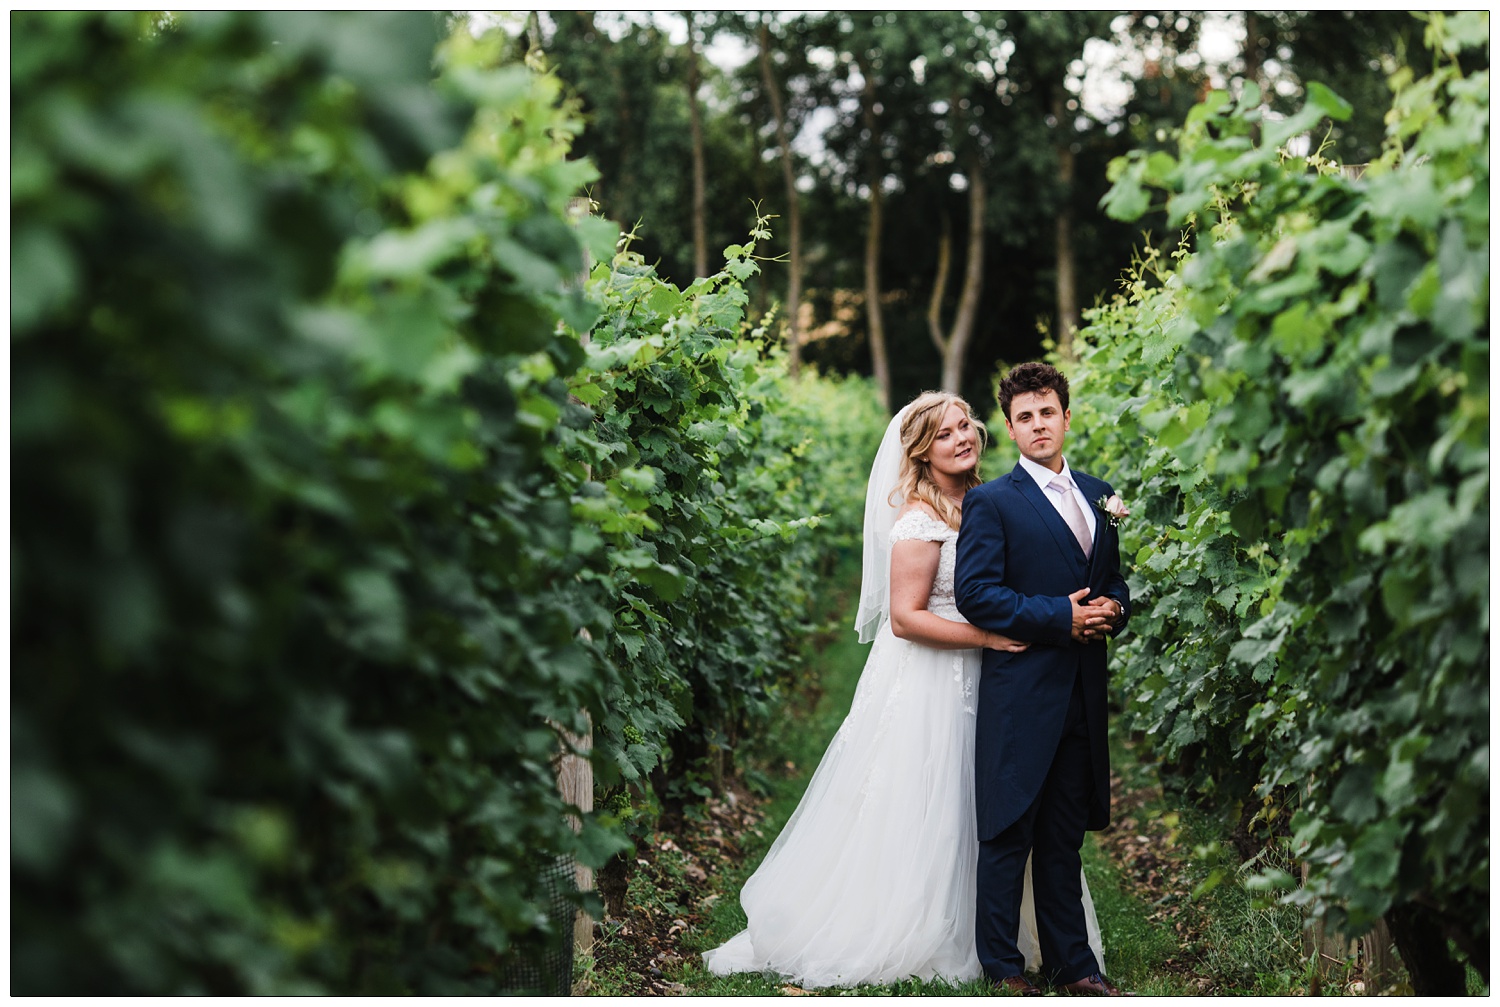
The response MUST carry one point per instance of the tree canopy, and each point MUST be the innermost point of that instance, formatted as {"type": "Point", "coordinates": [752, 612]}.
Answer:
{"type": "Point", "coordinates": [896, 118]}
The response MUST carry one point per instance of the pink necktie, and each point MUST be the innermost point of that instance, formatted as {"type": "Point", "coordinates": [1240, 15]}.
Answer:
{"type": "Point", "coordinates": [1071, 513]}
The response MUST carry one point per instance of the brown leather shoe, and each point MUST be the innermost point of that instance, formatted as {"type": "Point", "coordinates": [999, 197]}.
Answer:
{"type": "Point", "coordinates": [1092, 986]}
{"type": "Point", "coordinates": [1017, 986]}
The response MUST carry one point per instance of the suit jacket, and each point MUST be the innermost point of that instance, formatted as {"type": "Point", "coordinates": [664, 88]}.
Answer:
{"type": "Point", "coordinates": [1017, 563]}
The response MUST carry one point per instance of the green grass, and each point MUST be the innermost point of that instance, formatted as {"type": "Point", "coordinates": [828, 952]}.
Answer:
{"type": "Point", "coordinates": [1228, 941]}
{"type": "Point", "coordinates": [1134, 946]}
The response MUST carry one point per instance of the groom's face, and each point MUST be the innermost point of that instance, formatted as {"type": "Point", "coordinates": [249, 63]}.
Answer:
{"type": "Point", "coordinates": [1038, 423]}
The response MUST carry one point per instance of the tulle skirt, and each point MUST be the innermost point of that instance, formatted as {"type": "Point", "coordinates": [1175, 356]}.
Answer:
{"type": "Point", "coordinates": [872, 879]}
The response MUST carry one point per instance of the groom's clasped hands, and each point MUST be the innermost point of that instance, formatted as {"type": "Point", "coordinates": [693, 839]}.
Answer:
{"type": "Point", "coordinates": [1092, 618]}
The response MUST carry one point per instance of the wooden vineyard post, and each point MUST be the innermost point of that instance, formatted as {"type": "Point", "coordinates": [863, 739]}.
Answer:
{"type": "Point", "coordinates": [1335, 956]}
{"type": "Point", "coordinates": [575, 784]}
{"type": "Point", "coordinates": [1381, 966]}
{"type": "Point", "coordinates": [1331, 954]}
{"type": "Point", "coordinates": [575, 773]}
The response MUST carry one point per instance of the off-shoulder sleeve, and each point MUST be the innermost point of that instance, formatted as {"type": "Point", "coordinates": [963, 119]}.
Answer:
{"type": "Point", "coordinates": [921, 526]}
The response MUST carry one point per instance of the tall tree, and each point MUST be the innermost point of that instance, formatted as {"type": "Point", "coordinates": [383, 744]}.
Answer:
{"type": "Point", "coordinates": [639, 132]}
{"type": "Point", "coordinates": [793, 198]}
{"type": "Point", "coordinates": [867, 83]}
{"type": "Point", "coordinates": [700, 182]}
{"type": "Point", "coordinates": [1067, 282]}
{"type": "Point", "coordinates": [964, 99]}
{"type": "Point", "coordinates": [875, 179]}
{"type": "Point", "coordinates": [953, 344]}
{"type": "Point", "coordinates": [1253, 50]}
{"type": "Point", "coordinates": [944, 87]}
{"type": "Point", "coordinates": [1049, 50]}
{"type": "Point", "coordinates": [916, 135]}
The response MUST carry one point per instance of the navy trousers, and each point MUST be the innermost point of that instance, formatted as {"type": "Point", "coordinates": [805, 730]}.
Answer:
{"type": "Point", "coordinates": [1051, 831]}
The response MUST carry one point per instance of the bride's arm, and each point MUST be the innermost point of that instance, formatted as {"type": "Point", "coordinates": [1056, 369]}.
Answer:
{"type": "Point", "coordinates": [914, 566]}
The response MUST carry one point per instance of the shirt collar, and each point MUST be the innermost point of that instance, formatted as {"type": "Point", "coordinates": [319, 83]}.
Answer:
{"type": "Point", "coordinates": [1042, 475]}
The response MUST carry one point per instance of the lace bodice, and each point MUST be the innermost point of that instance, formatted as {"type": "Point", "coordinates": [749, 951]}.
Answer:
{"type": "Point", "coordinates": [918, 524]}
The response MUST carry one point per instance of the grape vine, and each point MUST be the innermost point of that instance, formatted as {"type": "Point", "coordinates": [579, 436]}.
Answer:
{"type": "Point", "coordinates": [1298, 401]}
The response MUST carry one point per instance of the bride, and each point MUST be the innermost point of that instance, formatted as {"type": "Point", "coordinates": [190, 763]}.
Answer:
{"type": "Point", "coordinates": [872, 879]}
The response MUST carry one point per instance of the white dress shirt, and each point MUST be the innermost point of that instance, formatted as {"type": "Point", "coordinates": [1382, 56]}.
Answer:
{"type": "Point", "coordinates": [1044, 477]}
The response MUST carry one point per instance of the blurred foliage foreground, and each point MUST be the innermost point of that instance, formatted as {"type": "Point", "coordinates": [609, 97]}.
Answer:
{"type": "Point", "coordinates": [343, 488]}
{"type": "Point", "coordinates": [1298, 408]}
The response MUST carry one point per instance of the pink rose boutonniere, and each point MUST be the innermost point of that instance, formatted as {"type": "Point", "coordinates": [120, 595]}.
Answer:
{"type": "Point", "coordinates": [1114, 508]}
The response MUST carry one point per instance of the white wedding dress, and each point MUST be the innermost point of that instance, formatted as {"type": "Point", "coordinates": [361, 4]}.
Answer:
{"type": "Point", "coordinates": [872, 879]}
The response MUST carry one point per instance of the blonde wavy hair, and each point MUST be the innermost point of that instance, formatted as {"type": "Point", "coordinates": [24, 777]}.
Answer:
{"type": "Point", "coordinates": [919, 430]}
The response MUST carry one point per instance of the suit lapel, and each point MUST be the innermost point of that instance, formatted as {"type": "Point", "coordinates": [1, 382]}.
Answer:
{"type": "Point", "coordinates": [1061, 533]}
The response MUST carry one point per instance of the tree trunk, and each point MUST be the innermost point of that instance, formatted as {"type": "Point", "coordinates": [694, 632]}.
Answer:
{"type": "Point", "coordinates": [1420, 937]}
{"type": "Point", "coordinates": [598, 189]}
{"type": "Point", "coordinates": [954, 345]}
{"type": "Point", "coordinates": [760, 295]}
{"type": "Point", "coordinates": [940, 287]}
{"type": "Point", "coordinates": [700, 184]}
{"type": "Point", "coordinates": [1253, 65]}
{"type": "Point", "coordinates": [1251, 52]}
{"type": "Point", "coordinates": [968, 299]}
{"type": "Point", "coordinates": [625, 182]}
{"type": "Point", "coordinates": [794, 217]}
{"type": "Point", "coordinates": [1067, 282]}
{"type": "Point", "coordinates": [874, 314]}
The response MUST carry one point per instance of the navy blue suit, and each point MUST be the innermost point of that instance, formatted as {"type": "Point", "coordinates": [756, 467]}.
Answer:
{"type": "Point", "coordinates": [1041, 759]}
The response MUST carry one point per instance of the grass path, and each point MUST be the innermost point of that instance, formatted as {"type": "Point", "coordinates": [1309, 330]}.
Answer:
{"type": "Point", "coordinates": [682, 897]}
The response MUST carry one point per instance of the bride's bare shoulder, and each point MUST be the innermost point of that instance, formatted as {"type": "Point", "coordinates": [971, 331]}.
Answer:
{"type": "Point", "coordinates": [918, 507]}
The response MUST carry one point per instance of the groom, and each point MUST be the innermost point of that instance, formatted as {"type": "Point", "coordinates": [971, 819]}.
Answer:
{"type": "Point", "coordinates": [1040, 562]}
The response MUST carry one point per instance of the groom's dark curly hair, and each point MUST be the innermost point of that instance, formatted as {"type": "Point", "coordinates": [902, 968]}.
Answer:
{"type": "Point", "coordinates": [1032, 377]}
